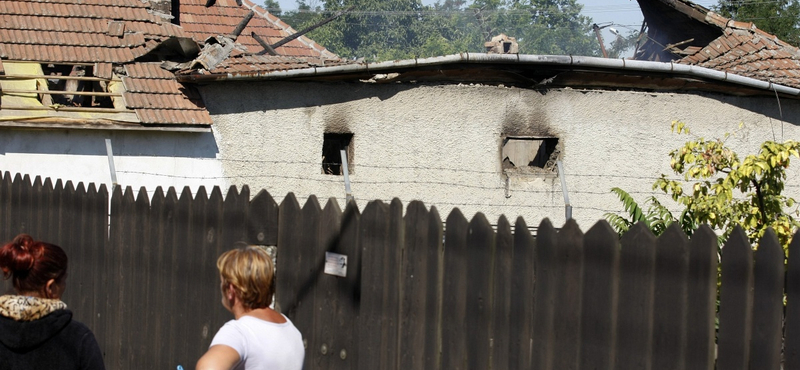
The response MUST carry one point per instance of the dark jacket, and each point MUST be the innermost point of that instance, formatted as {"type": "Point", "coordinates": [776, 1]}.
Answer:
{"type": "Point", "coordinates": [53, 342]}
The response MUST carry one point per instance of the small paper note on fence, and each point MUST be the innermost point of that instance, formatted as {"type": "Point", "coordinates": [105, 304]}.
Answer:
{"type": "Point", "coordinates": [335, 264]}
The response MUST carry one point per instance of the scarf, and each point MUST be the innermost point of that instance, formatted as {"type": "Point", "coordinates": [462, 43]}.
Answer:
{"type": "Point", "coordinates": [24, 308]}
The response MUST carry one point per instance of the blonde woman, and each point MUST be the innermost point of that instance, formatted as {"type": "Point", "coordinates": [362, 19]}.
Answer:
{"type": "Point", "coordinates": [258, 337]}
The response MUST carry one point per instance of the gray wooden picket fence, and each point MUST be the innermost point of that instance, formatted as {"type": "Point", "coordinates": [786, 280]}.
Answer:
{"type": "Point", "coordinates": [418, 293]}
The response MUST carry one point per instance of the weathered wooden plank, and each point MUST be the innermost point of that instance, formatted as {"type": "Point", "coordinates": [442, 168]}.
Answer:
{"type": "Point", "coordinates": [501, 327]}
{"type": "Point", "coordinates": [288, 293]}
{"type": "Point", "coordinates": [200, 236]}
{"type": "Point", "coordinates": [6, 195]}
{"type": "Point", "coordinates": [185, 240]}
{"type": "Point", "coordinates": [183, 229]}
{"type": "Point", "coordinates": [544, 297]}
{"type": "Point", "coordinates": [49, 229]}
{"type": "Point", "coordinates": [393, 259]}
{"type": "Point", "coordinates": [325, 355]}
{"type": "Point", "coordinates": [348, 292]}
{"type": "Point", "coordinates": [768, 276]}
{"type": "Point", "coordinates": [415, 350]}
{"type": "Point", "coordinates": [68, 239]}
{"type": "Point", "coordinates": [374, 240]}
{"type": "Point", "coordinates": [791, 350]}
{"type": "Point", "coordinates": [298, 267]}
{"type": "Point", "coordinates": [669, 314]}
{"type": "Point", "coordinates": [160, 219]}
{"type": "Point", "coordinates": [736, 302]}
{"type": "Point", "coordinates": [567, 316]}
{"type": "Point", "coordinates": [96, 240]}
{"type": "Point", "coordinates": [454, 293]}
{"type": "Point", "coordinates": [139, 299]}
{"type": "Point", "coordinates": [702, 295]}
{"type": "Point", "coordinates": [123, 240]}
{"type": "Point", "coordinates": [522, 288]}
{"type": "Point", "coordinates": [599, 297]}
{"type": "Point", "coordinates": [433, 295]}
{"type": "Point", "coordinates": [224, 226]}
{"type": "Point", "coordinates": [23, 204]}
{"type": "Point", "coordinates": [636, 285]}
{"type": "Point", "coordinates": [262, 223]}
{"type": "Point", "coordinates": [37, 211]}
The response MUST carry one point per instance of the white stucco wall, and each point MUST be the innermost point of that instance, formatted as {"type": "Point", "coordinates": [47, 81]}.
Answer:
{"type": "Point", "coordinates": [441, 143]}
{"type": "Point", "coordinates": [148, 158]}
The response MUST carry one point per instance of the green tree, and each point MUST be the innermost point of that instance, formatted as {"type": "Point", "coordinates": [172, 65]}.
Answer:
{"type": "Point", "coordinates": [722, 190]}
{"type": "Point", "coordinates": [779, 17]}
{"type": "Point", "coordinates": [401, 29]}
{"type": "Point", "coordinates": [273, 7]}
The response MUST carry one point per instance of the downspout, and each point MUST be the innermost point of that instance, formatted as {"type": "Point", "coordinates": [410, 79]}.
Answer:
{"type": "Point", "coordinates": [567, 206]}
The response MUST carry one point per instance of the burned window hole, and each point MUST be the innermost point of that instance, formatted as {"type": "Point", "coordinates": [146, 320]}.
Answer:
{"type": "Point", "coordinates": [530, 154]}
{"type": "Point", "coordinates": [332, 146]}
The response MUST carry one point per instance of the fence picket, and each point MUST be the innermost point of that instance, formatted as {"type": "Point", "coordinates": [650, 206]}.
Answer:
{"type": "Point", "coordinates": [418, 294]}
{"type": "Point", "coordinates": [544, 297]}
{"type": "Point", "coordinates": [454, 292]}
{"type": "Point", "coordinates": [374, 317]}
{"type": "Point", "coordinates": [521, 305]}
{"type": "Point", "coordinates": [290, 291]}
{"type": "Point", "coordinates": [599, 297]}
{"type": "Point", "coordinates": [326, 297]}
{"type": "Point", "coordinates": [500, 320]}
{"type": "Point", "coordinates": [768, 276]}
{"type": "Point", "coordinates": [348, 291]}
{"type": "Point", "coordinates": [158, 261]}
{"type": "Point", "coordinates": [567, 318]}
{"type": "Point", "coordinates": [791, 350]}
{"type": "Point", "coordinates": [702, 295]}
{"type": "Point", "coordinates": [96, 241]}
{"type": "Point", "coordinates": [480, 250]}
{"type": "Point", "coordinates": [636, 284]}
{"type": "Point", "coordinates": [262, 223]}
{"type": "Point", "coordinates": [669, 324]}
{"type": "Point", "coordinates": [736, 302]}
{"type": "Point", "coordinates": [6, 209]}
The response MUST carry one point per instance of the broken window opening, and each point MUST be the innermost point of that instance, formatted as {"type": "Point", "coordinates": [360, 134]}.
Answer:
{"type": "Point", "coordinates": [74, 86]}
{"type": "Point", "coordinates": [332, 145]}
{"type": "Point", "coordinates": [529, 153]}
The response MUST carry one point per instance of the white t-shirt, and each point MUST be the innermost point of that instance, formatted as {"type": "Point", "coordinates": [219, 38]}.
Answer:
{"type": "Point", "coordinates": [263, 344]}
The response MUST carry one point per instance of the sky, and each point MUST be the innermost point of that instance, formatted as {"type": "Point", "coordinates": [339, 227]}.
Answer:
{"type": "Point", "coordinates": [622, 15]}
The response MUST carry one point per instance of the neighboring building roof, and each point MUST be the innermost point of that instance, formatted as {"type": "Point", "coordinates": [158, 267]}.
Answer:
{"type": "Point", "coordinates": [61, 61]}
{"type": "Point", "coordinates": [202, 22]}
{"type": "Point", "coordinates": [687, 33]}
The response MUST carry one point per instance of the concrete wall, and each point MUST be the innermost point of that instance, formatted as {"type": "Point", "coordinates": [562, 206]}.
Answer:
{"type": "Point", "coordinates": [441, 143]}
{"type": "Point", "coordinates": [148, 159]}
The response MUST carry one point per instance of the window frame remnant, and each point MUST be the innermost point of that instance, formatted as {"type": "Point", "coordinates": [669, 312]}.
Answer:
{"type": "Point", "coordinates": [64, 86]}
{"type": "Point", "coordinates": [332, 143]}
{"type": "Point", "coordinates": [534, 153]}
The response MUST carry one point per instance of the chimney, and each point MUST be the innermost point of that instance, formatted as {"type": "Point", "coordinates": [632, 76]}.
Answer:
{"type": "Point", "coordinates": [167, 9]}
{"type": "Point", "coordinates": [502, 44]}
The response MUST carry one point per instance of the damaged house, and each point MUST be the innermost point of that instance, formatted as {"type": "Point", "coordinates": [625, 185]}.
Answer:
{"type": "Point", "coordinates": [486, 132]}
{"type": "Point", "coordinates": [496, 132]}
{"type": "Point", "coordinates": [85, 81]}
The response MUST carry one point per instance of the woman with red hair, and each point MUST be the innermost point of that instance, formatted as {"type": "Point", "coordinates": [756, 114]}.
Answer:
{"type": "Point", "coordinates": [36, 328]}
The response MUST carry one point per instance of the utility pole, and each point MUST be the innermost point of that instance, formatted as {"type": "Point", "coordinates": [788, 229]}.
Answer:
{"type": "Point", "coordinates": [597, 29]}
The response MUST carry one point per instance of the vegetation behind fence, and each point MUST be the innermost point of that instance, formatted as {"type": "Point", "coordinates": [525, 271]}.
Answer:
{"type": "Point", "coordinates": [416, 295]}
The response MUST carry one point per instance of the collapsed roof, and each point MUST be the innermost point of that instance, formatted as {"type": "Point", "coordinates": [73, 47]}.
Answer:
{"type": "Point", "coordinates": [102, 63]}
{"type": "Point", "coordinates": [686, 33]}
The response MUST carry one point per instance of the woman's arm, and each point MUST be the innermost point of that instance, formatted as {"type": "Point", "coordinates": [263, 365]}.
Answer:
{"type": "Point", "coordinates": [218, 357]}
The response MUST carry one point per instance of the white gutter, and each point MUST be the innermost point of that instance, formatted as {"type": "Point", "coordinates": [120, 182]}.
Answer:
{"type": "Point", "coordinates": [482, 58]}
